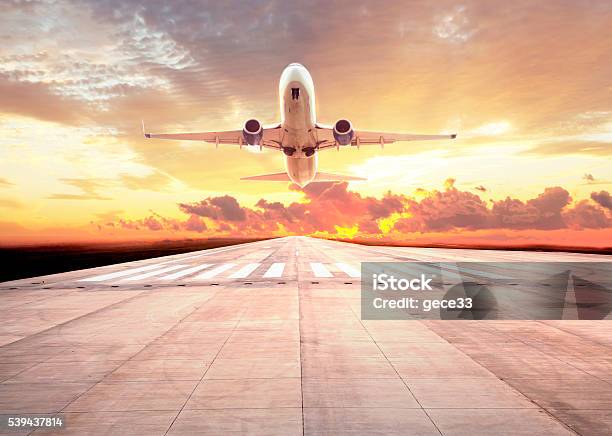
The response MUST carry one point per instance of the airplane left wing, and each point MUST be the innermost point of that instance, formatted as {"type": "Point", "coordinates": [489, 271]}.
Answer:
{"type": "Point", "coordinates": [325, 136]}
{"type": "Point", "coordinates": [271, 136]}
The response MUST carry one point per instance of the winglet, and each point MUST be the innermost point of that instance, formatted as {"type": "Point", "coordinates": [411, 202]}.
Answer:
{"type": "Point", "coordinates": [146, 135]}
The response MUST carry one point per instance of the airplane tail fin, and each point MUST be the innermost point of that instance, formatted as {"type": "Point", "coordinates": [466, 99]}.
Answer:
{"type": "Point", "coordinates": [320, 177]}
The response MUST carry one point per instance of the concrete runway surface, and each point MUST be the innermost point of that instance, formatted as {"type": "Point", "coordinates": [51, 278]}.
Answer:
{"type": "Point", "coordinates": [266, 338]}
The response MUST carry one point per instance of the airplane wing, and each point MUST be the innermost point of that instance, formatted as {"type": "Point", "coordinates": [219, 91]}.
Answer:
{"type": "Point", "coordinates": [271, 136]}
{"type": "Point", "coordinates": [325, 137]}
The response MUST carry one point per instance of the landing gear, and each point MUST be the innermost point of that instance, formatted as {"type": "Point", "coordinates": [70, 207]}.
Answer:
{"type": "Point", "coordinates": [289, 151]}
{"type": "Point", "coordinates": [309, 151]}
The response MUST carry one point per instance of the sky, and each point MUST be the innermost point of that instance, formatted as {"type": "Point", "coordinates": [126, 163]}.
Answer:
{"type": "Point", "coordinates": [527, 86]}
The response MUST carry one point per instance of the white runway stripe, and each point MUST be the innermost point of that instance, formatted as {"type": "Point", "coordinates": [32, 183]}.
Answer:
{"type": "Point", "coordinates": [320, 270]}
{"type": "Point", "coordinates": [215, 271]}
{"type": "Point", "coordinates": [275, 270]}
{"type": "Point", "coordinates": [245, 271]}
{"type": "Point", "coordinates": [185, 272]}
{"type": "Point", "coordinates": [155, 273]}
{"type": "Point", "coordinates": [122, 273]}
{"type": "Point", "coordinates": [349, 270]}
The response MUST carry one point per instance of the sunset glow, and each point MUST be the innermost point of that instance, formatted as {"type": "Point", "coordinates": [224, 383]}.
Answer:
{"type": "Point", "coordinates": [531, 101]}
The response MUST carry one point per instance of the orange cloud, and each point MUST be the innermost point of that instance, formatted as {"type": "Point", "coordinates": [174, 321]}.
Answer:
{"type": "Point", "coordinates": [332, 210]}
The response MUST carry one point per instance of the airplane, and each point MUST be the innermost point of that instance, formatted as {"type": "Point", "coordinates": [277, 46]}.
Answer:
{"type": "Point", "coordinates": [298, 135]}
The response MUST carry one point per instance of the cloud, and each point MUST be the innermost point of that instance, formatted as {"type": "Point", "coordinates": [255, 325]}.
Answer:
{"type": "Point", "coordinates": [225, 207]}
{"type": "Point", "coordinates": [195, 224]}
{"type": "Point", "coordinates": [10, 203]}
{"type": "Point", "coordinates": [444, 217]}
{"type": "Point", "coordinates": [549, 205]}
{"type": "Point", "coordinates": [445, 210]}
{"type": "Point", "coordinates": [110, 215]}
{"type": "Point", "coordinates": [603, 198]}
{"type": "Point", "coordinates": [155, 181]}
{"type": "Point", "coordinates": [328, 207]}
{"type": "Point", "coordinates": [5, 183]}
{"type": "Point", "coordinates": [490, 129]}
{"type": "Point", "coordinates": [590, 179]}
{"type": "Point", "coordinates": [454, 26]}
{"type": "Point", "coordinates": [38, 101]}
{"type": "Point", "coordinates": [571, 147]}
{"type": "Point", "coordinates": [152, 223]}
{"type": "Point", "coordinates": [158, 223]}
{"type": "Point", "coordinates": [89, 188]}
{"type": "Point", "coordinates": [584, 215]}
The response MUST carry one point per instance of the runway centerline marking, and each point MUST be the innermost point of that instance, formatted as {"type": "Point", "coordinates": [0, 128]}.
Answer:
{"type": "Point", "coordinates": [215, 271]}
{"type": "Point", "coordinates": [186, 272]}
{"type": "Point", "coordinates": [320, 270]}
{"type": "Point", "coordinates": [122, 273]}
{"type": "Point", "coordinates": [275, 270]}
{"type": "Point", "coordinates": [349, 270]}
{"type": "Point", "coordinates": [245, 271]}
{"type": "Point", "coordinates": [155, 273]}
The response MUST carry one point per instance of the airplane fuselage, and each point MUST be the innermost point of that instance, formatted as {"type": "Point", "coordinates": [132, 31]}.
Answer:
{"type": "Point", "coordinates": [298, 119]}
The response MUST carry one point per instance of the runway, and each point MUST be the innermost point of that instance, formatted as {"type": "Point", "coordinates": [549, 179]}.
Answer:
{"type": "Point", "coordinates": [267, 338]}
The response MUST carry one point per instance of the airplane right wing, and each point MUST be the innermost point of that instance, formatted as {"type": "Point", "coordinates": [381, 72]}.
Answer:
{"type": "Point", "coordinates": [326, 138]}
{"type": "Point", "coordinates": [271, 136]}
{"type": "Point", "coordinates": [365, 137]}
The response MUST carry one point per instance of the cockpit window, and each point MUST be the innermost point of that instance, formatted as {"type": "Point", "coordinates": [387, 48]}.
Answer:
{"type": "Point", "coordinates": [295, 93]}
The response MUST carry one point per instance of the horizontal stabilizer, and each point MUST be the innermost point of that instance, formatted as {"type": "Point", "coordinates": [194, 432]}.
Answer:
{"type": "Point", "coordinates": [320, 177]}
{"type": "Point", "coordinates": [275, 177]}
{"type": "Point", "coordinates": [329, 177]}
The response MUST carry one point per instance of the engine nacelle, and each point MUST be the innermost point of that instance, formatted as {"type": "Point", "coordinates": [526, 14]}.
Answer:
{"type": "Point", "coordinates": [252, 132]}
{"type": "Point", "coordinates": [343, 132]}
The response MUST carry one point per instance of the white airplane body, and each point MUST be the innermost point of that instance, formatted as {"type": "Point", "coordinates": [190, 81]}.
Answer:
{"type": "Point", "coordinates": [298, 135]}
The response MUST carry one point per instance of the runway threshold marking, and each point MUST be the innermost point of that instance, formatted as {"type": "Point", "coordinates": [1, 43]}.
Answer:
{"type": "Point", "coordinates": [320, 270]}
{"type": "Point", "coordinates": [275, 270]}
{"type": "Point", "coordinates": [245, 271]}
{"type": "Point", "coordinates": [215, 271]}
{"type": "Point", "coordinates": [349, 270]}
{"type": "Point", "coordinates": [155, 273]}
{"type": "Point", "coordinates": [186, 272]}
{"type": "Point", "coordinates": [122, 273]}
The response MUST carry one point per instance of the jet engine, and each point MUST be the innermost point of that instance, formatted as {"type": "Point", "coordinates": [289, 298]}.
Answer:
{"type": "Point", "coordinates": [252, 132]}
{"type": "Point", "coordinates": [343, 132]}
